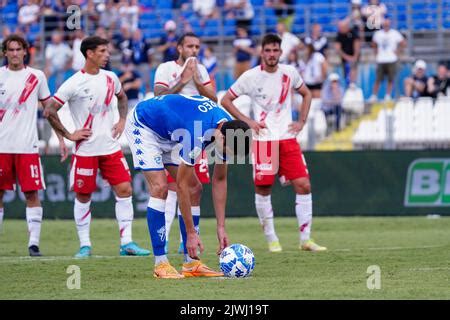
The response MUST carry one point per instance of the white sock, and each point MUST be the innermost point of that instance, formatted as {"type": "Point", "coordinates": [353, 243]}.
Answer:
{"type": "Point", "coordinates": [34, 221]}
{"type": "Point", "coordinates": [160, 259]}
{"type": "Point", "coordinates": [170, 211]}
{"type": "Point", "coordinates": [265, 214]}
{"type": "Point", "coordinates": [82, 215]}
{"type": "Point", "coordinates": [303, 210]}
{"type": "Point", "coordinates": [124, 216]}
{"type": "Point", "coordinates": [1, 217]}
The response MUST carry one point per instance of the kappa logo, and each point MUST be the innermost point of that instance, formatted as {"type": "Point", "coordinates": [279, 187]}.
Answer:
{"type": "Point", "coordinates": [85, 172]}
{"type": "Point", "coordinates": [264, 166]}
{"type": "Point", "coordinates": [162, 233]}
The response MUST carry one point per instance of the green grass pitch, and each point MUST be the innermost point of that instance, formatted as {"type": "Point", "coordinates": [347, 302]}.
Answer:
{"type": "Point", "coordinates": [413, 254]}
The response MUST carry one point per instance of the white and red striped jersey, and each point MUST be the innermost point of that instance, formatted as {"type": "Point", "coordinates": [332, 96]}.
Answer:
{"type": "Point", "coordinates": [271, 96]}
{"type": "Point", "coordinates": [90, 98]}
{"type": "Point", "coordinates": [19, 95]}
{"type": "Point", "coordinates": [168, 74]}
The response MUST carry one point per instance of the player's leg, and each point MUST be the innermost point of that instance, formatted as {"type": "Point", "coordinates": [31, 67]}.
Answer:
{"type": "Point", "coordinates": [293, 168]}
{"type": "Point", "coordinates": [30, 177]}
{"type": "Point", "coordinates": [34, 221]}
{"type": "Point", "coordinates": [115, 170]}
{"type": "Point", "coordinates": [265, 166]}
{"type": "Point", "coordinates": [7, 181]}
{"type": "Point", "coordinates": [148, 156]}
{"type": "Point", "coordinates": [83, 174]}
{"type": "Point", "coordinates": [192, 267]}
{"type": "Point", "coordinates": [171, 207]}
{"type": "Point", "coordinates": [2, 193]}
{"type": "Point", "coordinates": [157, 184]}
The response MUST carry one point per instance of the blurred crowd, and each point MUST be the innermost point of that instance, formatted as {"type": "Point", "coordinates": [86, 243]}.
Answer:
{"type": "Point", "coordinates": [366, 25]}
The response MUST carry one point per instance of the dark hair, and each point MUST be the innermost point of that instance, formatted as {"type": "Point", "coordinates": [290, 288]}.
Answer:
{"type": "Point", "coordinates": [270, 38]}
{"type": "Point", "coordinates": [16, 38]}
{"type": "Point", "coordinates": [187, 34]}
{"type": "Point", "coordinates": [235, 126]}
{"type": "Point", "coordinates": [91, 43]}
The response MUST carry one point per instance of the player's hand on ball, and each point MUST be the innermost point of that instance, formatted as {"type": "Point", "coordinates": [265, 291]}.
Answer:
{"type": "Point", "coordinates": [192, 243]}
{"type": "Point", "coordinates": [223, 240]}
{"type": "Point", "coordinates": [80, 134]}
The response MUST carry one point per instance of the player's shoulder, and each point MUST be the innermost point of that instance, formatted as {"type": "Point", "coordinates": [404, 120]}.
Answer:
{"type": "Point", "coordinates": [287, 68]}
{"type": "Point", "coordinates": [108, 73]}
{"type": "Point", "coordinates": [167, 65]}
{"type": "Point", "coordinates": [38, 73]}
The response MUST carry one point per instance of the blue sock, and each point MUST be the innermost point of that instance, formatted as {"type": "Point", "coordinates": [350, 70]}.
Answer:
{"type": "Point", "coordinates": [157, 225]}
{"type": "Point", "coordinates": [196, 217]}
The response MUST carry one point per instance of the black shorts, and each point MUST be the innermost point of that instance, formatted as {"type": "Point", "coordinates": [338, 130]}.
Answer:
{"type": "Point", "coordinates": [386, 70]}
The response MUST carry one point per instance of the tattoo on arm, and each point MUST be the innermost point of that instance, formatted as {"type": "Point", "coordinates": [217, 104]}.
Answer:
{"type": "Point", "coordinates": [52, 117]}
{"type": "Point", "coordinates": [122, 104]}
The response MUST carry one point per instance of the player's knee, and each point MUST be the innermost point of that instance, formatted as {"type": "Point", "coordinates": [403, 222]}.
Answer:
{"type": "Point", "coordinates": [125, 191]}
{"type": "Point", "coordinates": [196, 191]}
{"type": "Point", "coordinates": [303, 186]}
{"type": "Point", "coordinates": [32, 198]}
{"type": "Point", "coordinates": [159, 190]}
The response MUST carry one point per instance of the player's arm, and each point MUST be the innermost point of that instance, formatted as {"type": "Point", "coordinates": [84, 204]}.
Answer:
{"type": "Point", "coordinates": [184, 175]}
{"type": "Point", "coordinates": [297, 126]}
{"type": "Point", "coordinates": [162, 88]}
{"type": "Point", "coordinates": [51, 113]}
{"type": "Point", "coordinates": [204, 88]}
{"type": "Point", "coordinates": [227, 103]}
{"type": "Point", "coordinates": [219, 194]}
{"type": "Point", "coordinates": [122, 106]}
{"type": "Point", "coordinates": [62, 145]}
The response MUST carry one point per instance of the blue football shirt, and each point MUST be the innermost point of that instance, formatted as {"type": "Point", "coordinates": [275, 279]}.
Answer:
{"type": "Point", "coordinates": [189, 120]}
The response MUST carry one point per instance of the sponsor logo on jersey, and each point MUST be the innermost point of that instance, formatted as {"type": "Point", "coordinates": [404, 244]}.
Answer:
{"type": "Point", "coordinates": [264, 166]}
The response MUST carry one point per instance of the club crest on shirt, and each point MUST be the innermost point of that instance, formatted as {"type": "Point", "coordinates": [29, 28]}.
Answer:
{"type": "Point", "coordinates": [80, 183]}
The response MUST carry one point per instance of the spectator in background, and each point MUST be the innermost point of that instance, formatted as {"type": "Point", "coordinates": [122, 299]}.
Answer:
{"type": "Point", "coordinates": [58, 58]}
{"type": "Point", "coordinates": [317, 39]}
{"type": "Point", "coordinates": [416, 85]}
{"type": "Point", "coordinates": [28, 14]}
{"type": "Point", "coordinates": [129, 14]}
{"type": "Point", "coordinates": [284, 9]}
{"type": "Point", "coordinates": [289, 41]}
{"type": "Point", "coordinates": [373, 15]}
{"type": "Point", "coordinates": [168, 42]}
{"type": "Point", "coordinates": [78, 60]}
{"type": "Point", "coordinates": [142, 55]}
{"type": "Point", "coordinates": [244, 49]}
{"type": "Point", "coordinates": [241, 10]}
{"type": "Point", "coordinates": [348, 47]}
{"type": "Point", "coordinates": [315, 71]}
{"type": "Point", "coordinates": [108, 15]}
{"type": "Point", "coordinates": [332, 95]}
{"type": "Point", "coordinates": [209, 60]}
{"type": "Point", "coordinates": [356, 18]}
{"type": "Point", "coordinates": [387, 43]}
{"type": "Point", "coordinates": [205, 9]}
{"type": "Point", "coordinates": [131, 83]}
{"type": "Point", "coordinates": [439, 84]}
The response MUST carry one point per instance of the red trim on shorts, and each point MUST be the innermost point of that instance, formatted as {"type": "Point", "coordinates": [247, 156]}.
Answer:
{"type": "Point", "coordinates": [58, 100]}
{"type": "Point", "coordinates": [207, 82]}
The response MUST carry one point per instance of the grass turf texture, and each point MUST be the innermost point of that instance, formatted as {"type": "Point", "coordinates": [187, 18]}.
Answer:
{"type": "Point", "coordinates": [413, 254]}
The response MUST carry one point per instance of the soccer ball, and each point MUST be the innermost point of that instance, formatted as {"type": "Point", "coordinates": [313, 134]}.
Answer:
{"type": "Point", "coordinates": [237, 261]}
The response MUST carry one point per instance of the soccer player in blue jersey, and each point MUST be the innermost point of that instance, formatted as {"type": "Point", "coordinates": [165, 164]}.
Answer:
{"type": "Point", "coordinates": [170, 132]}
